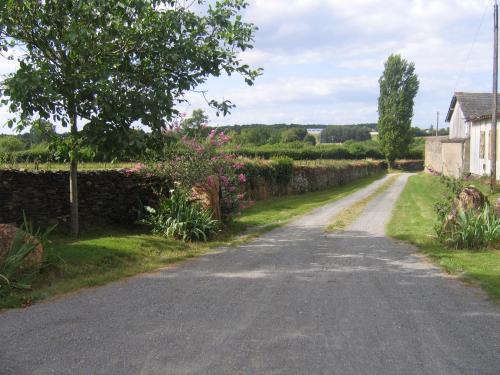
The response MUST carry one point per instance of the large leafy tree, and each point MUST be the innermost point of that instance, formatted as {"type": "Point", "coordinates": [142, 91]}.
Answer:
{"type": "Point", "coordinates": [398, 87]}
{"type": "Point", "coordinates": [108, 64]}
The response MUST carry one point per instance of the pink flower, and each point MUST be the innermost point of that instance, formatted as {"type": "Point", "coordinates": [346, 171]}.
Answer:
{"type": "Point", "coordinates": [242, 178]}
{"type": "Point", "coordinates": [238, 165]}
{"type": "Point", "coordinates": [241, 197]}
{"type": "Point", "coordinates": [224, 180]}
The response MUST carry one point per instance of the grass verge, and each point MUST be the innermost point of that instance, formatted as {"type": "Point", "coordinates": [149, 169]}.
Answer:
{"type": "Point", "coordinates": [413, 221]}
{"type": "Point", "coordinates": [105, 255]}
{"type": "Point", "coordinates": [348, 215]}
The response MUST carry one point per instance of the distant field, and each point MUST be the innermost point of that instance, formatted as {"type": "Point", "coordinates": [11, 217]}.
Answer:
{"type": "Point", "coordinates": [64, 166]}
{"type": "Point", "coordinates": [113, 166]}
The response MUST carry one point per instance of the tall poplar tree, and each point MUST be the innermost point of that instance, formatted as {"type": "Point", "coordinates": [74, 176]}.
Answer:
{"type": "Point", "coordinates": [398, 87]}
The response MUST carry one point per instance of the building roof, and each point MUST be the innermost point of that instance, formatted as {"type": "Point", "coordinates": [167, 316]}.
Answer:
{"type": "Point", "coordinates": [475, 106]}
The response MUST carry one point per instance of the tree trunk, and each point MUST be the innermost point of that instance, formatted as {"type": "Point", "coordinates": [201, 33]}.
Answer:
{"type": "Point", "coordinates": [73, 177]}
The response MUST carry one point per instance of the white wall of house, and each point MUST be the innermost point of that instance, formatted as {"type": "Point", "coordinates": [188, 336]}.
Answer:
{"type": "Point", "coordinates": [480, 151]}
{"type": "Point", "coordinates": [458, 127]}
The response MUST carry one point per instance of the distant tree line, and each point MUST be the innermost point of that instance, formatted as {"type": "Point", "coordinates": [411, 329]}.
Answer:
{"type": "Point", "coordinates": [343, 133]}
{"type": "Point", "coordinates": [42, 143]}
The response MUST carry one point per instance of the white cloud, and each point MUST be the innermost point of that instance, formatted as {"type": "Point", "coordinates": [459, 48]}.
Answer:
{"type": "Point", "coordinates": [323, 58]}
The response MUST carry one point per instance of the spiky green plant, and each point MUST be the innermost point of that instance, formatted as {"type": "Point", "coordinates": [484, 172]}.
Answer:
{"type": "Point", "coordinates": [11, 271]}
{"type": "Point", "coordinates": [182, 218]}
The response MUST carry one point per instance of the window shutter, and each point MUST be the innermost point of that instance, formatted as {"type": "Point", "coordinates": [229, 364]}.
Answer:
{"type": "Point", "coordinates": [482, 145]}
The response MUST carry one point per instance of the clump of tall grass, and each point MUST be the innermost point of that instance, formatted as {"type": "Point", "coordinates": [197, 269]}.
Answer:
{"type": "Point", "coordinates": [473, 230]}
{"type": "Point", "coordinates": [25, 241]}
{"type": "Point", "coordinates": [181, 218]}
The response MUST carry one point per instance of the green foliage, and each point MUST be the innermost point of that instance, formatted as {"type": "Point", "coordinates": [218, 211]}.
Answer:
{"type": "Point", "coordinates": [311, 139]}
{"type": "Point", "coordinates": [470, 229]}
{"type": "Point", "coordinates": [283, 170]}
{"type": "Point", "coordinates": [293, 135]}
{"type": "Point", "coordinates": [41, 131]}
{"type": "Point", "coordinates": [114, 64]}
{"type": "Point", "coordinates": [398, 87]}
{"type": "Point", "coordinates": [11, 144]}
{"type": "Point", "coordinates": [304, 151]}
{"type": "Point", "coordinates": [181, 218]}
{"type": "Point", "coordinates": [343, 133]}
{"type": "Point", "coordinates": [473, 230]}
{"type": "Point", "coordinates": [196, 125]}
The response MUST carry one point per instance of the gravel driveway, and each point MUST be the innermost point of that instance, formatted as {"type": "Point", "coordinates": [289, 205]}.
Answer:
{"type": "Point", "coordinates": [294, 301]}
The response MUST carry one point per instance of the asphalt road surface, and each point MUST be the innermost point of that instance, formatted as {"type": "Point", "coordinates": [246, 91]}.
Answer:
{"type": "Point", "coordinates": [294, 301]}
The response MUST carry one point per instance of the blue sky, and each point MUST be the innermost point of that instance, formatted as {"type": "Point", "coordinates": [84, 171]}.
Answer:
{"type": "Point", "coordinates": [322, 59]}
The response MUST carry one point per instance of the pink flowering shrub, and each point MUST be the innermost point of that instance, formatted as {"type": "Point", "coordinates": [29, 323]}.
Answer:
{"type": "Point", "coordinates": [193, 161]}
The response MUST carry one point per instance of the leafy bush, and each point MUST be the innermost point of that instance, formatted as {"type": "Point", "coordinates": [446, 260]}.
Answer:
{"type": "Point", "coordinates": [10, 143]}
{"type": "Point", "coordinates": [182, 218]}
{"type": "Point", "coordinates": [37, 154]}
{"type": "Point", "coordinates": [304, 151]}
{"type": "Point", "coordinates": [283, 170]}
{"type": "Point", "coordinates": [473, 230]}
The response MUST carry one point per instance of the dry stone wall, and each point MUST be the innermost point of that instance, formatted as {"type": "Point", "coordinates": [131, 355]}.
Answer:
{"type": "Point", "coordinates": [105, 197]}
{"type": "Point", "coordinates": [312, 178]}
{"type": "Point", "coordinates": [117, 197]}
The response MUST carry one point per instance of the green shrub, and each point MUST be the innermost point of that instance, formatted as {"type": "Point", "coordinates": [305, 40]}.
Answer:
{"type": "Point", "coordinates": [473, 230]}
{"type": "Point", "coordinates": [181, 218]}
{"type": "Point", "coordinates": [283, 170]}
{"type": "Point", "coordinates": [11, 143]}
{"type": "Point", "coordinates": [304, 151]}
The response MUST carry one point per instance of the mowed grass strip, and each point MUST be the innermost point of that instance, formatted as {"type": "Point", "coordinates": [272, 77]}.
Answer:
{"type": "Point", "coordinates": [278, 211]}
{"type": "Point", "coordinates": [102, 255]}
{"type": "Point", "coordinates": [413, 221]}
{"type": "Point", "coordinates": [347, 216]}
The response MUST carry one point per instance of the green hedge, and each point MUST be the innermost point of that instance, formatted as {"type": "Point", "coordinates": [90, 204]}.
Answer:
{"type": "Point", "coordinates": [310, 153]}
{"type": "Point", "coordinates": [27, 156]}
{"type": "Point", "coordinates": [349, 150]}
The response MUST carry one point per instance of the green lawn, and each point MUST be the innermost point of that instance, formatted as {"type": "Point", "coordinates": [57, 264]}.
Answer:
{"type": "Point", "coordinates": [278, 211]}
{"type": "Point", "coordinates": [106, 255]}
{"type": "Point", "coordinates": [413, 221]}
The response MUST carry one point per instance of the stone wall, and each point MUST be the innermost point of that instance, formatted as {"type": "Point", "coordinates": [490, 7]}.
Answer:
{"type": "Point", "coordinates": [105, 197]}
{"type": "Point", "coordinates": [312, 178]}
{"type": "Point", "coordinates": [117, 198]}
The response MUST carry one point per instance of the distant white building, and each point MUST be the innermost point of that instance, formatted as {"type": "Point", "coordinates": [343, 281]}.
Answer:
{"type": "Point", "coordinates": [313, 131]}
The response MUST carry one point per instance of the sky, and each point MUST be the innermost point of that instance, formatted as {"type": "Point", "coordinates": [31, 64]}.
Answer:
{"type": "Point", "coordinates": [322, 59]}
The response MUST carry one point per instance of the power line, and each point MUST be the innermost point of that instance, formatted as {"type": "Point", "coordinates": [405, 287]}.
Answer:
{"type": "Point", "coordinates": [466, 62]}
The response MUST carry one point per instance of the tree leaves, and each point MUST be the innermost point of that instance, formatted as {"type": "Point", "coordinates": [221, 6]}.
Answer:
{"type": "Point", "coordinates": [398, 87]}
{"type": "Point", "coordinates": [118, 62]}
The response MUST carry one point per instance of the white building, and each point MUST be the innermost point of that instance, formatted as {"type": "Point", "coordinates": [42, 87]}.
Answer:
{"type": "Point", "coordinates": [470, 121]}
{"type": "Point", "coordinates": [314, 131]}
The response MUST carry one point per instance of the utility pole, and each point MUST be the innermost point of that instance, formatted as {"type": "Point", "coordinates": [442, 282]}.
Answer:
{"type": "Point", "coordinates": [437, 125]}
{"type": "Point", "coordinates": [493, 141]}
